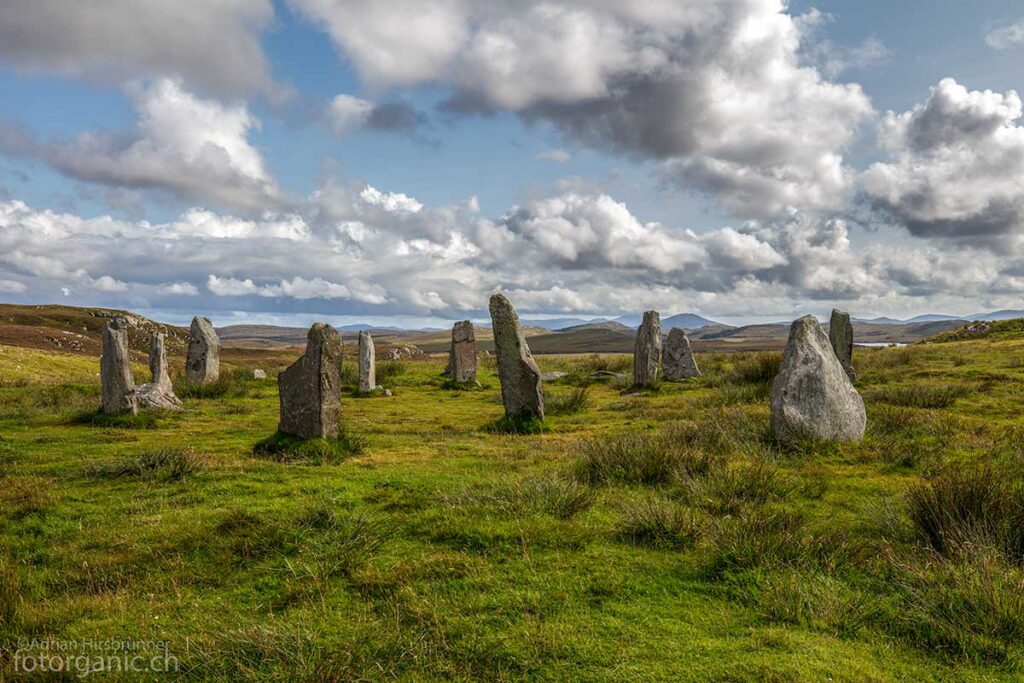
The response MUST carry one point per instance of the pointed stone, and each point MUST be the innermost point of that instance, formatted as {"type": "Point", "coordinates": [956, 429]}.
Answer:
{"type": "Point", "coordinates": [518, 373]}
{"type": "Point", "coordinates": [677, 360]}
{"type": "Point", "coordinates": [812, 397]}
{"type": "Point", "coordinates": [647, 350]}
{"type": "Point", "coordinates": [462, 357]}
{"type": "Point", "coordinates": [310, 388]}
{"type": "Point", "coordinates": [367, 363]}
{"type": "Point", "coordinates": [840, 335]}
{"type": "Point", "coordinates": [159, 393]}
{"type": "Point", "coordinates": [203, 362]}
{"type": "Point", "coordinates": [117, 387]}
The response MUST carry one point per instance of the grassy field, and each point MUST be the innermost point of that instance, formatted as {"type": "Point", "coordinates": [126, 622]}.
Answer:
{"type": "Point", "coordinates": [639, 537]}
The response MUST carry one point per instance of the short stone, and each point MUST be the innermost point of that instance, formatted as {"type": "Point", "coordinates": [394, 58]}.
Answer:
{"type": "Point", "coordinates": [202, 365]}
{"type": "Point", "coordinates": [310, 388]}
{"type": "Point", "coordinates": [677, 359]}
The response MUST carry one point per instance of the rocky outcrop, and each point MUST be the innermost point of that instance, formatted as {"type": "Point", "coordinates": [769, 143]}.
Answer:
{"type": "Point", "coordinates": [310, 388]}
{"type": "Point", "coordinates": [677, 361]}
{"type": "Point", "coordinates": [518, 373]}
{"type": "Point", "coordinates": [367, 363]}
{"type": "Point", "coordinates": [812, 396]}
{"type": "Point", "coordinates": [840, 335]}
{"type": "Point", "coordinates": [117, 388]}
{"type": "Point", "coordinates": [647, 350]}
{"type": "Point", "coordinates": [202, 366]}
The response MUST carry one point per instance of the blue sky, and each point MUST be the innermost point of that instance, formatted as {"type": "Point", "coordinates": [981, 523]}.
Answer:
{"type": "Point", "coordinates": [394, 161]}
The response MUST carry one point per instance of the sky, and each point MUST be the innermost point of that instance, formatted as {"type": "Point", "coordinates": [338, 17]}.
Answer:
{"type": "Point", "coordinates": [395, 162]}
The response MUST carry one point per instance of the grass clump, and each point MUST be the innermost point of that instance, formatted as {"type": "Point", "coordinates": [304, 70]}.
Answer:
{"type": "Point", "coordinates": [658, 522]}
{"type": "Point", "coordinates": [144, 419]}
{"type": "Point", "coordinates": [390, 369]}
{"type": "Point", "coordinates": [967, 508]}
{"type": "Point", "coordinates": [754, 368]}
{"type": "Point", "coordinates": [573, 402]}
{"type": "Point", "coordinates": [164, 464]}
{"type": "Point", "coordinates": [919, 395]}
{"type": "Point", "coordinates": [636, 459]}
{"type": "Point", "coordinates": [558, 496]}
{"type": "Point", "coordinates": [737, 486]}
{"type": "Point", "coordinates": [516, 424]}
{"type": "Point", "coordinates": [286, 448]}
{"type": "Point", "coordinates": [234, 384]}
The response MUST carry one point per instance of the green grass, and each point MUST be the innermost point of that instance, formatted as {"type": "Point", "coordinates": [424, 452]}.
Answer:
{"type": "Point", "coordinates": [655, 537]}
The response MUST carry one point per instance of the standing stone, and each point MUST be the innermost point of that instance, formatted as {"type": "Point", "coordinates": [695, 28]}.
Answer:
{"type": "Point", "coordinates": [647, 351]}
{"type": "Point", "coordinates": [158, 360]}
{"type": "Point", "coordinates": [367, 363]}
{"type": "Point", "coordinates": [517, 371]}
{"type": "Point", "coordinates": [840, 334]}
{"type": "Point", "coordinates": [159, 393]}
{"type": "Point", "coordinates": [203, 362]}
{"type": "Point", "coordinates": [811, 396]}
{"type": "Point", "coordinates": [677, 360]}
{"type": "Point", "coordinates": [116, 384]}
{"type": "Point", "coordinates": [310, 388]}
{"type": "Point", "coordinates": [462, 357]}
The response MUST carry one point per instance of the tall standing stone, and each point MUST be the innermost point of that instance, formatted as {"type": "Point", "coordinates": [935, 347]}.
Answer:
{"type": "Point", "coordinates": [517, 370]}
{"type": "Point", "coordinates": [647, 351]}
{"type": "Point", "coordinates": [367, 363]}
{"type": "Point", "coordinates": [310, 388]}
{"type": "Point", "coordinates": [812, 397]}
{"type": "Point", "coordinates": [840, 334]}
{"type": "Point", "coordinates": [462, 357]}
{"type": "Point", "coordinates": [158, 393]}
{"type": "Point", "coordinates": [203, 363]}
{"type": "Point", "coordinates": [158, 360]}
{"type": "Point", "coordinates": [117, 387]}
{"type": "Point", "coordinates": [677, 357]}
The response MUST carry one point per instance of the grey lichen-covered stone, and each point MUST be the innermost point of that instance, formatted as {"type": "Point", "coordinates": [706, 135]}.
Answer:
{"type": "Point", "coordinates": [840, 335]}
{"type": "Point", "coordinates": [367, 363]}
{"type": "Point", "coordinates": [677, 361]}
{"type": "Point", "coordinates": [202, 366]}
{"type": "Point", "coordinates": [117, 388]}
{"type": "Point", "coordinates": [812, 397]}
{"type": "Point", "coordinates": [259, 374]}
{"type": "Point", "coordinates": [159, 393]}
{"type": "Point", "coordinates": [310, 388]}
{"type": "Point", "coordinates": [518, 373]}
{"type": "Point", "coordinates": [462, 356]}
{"type": "Point", "coordinates": [647, 350]}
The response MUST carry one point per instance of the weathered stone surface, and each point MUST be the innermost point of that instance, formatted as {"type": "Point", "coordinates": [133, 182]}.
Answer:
{"type": "Point", "coordinates": [677, 359]}
{"type": "Point", "coordinates": [811, 396]}
{"type": "Point", "coordinates": [840, 335]}
{"type": "Point", "coordinates": [517, 371]}
{"type": "Point", "coordinates": [259, 374]}
{"type": "Point", "coordinates": [647, 350]}
{"type": "Point", "coordinates": [202, 366]}
{"type": "Point", "coordinates": [159, 393]}
{"type": "Point", "coordinates": [553, 375]}
{"type": "Point", "coordinates": [367, 363]}
{"type": "Point", "coordinates": [462, 356]}
{"type": "Point", "coordinates": [117, 388]}
{"type": "Point", "coordinates": [310, 388]}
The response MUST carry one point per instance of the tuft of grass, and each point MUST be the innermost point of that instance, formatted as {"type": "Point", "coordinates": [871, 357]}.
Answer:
{"type": "Point", "coordinates": [962, 509]}
{"type": "Point", "coordinates": [658, 522]}
{"type": "Point", "coordinates": [573, 402]}
{"type": "Point", "coordinates": [286, 448]}
{"type": "Point", "coordinates": [390, 369]}
{"type": "Point", "coordinates": [754, 368]}
{"type": "Point", "coordinates": [811, 599]}
{"type": "Point", "coordinates": [558, 496]}
{"type": "Point", "coordinates": [11, 592]}
{"type": "Point", "coordinates": [144, 419]}
{"type": "Point", "coordinates": [635, 458]}
{"type": "Point", "coordinates": [516, 424]}
{"type": "Point", "coordinates": [173, 463]}
{"type": "Point", "coordinates": [733, 488]}
{"type": "Point", "coordinates": [234, 384]}
{"type": "Point", "coordinates": [920, 395]}
{"type": "Point", "coordinates": [24, 496]}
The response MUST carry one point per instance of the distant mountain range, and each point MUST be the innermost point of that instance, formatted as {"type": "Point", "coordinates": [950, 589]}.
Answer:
{"type": "Point", "coordinates": [1005, 314]}
{"type": "Point", "coordinates": [686, 321]}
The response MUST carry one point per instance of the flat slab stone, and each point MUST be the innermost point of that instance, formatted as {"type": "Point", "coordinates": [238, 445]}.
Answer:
{"type": "Point", "coordinates": [520, 378]}
{"type": "Point", "coordinates": [310, 388]}
{"type": "Point", "coordinates": [812, 397]}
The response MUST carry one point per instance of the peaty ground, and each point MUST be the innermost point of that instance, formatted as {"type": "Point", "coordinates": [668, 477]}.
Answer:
{"type": "Point", "coordinates": [655, 537]}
